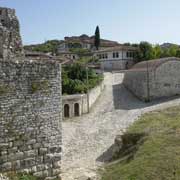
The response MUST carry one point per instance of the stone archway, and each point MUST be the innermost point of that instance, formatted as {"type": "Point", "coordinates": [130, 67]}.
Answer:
{"type": "Point", "coordinates": [66, 111]}
{"type": "Point", "coordinates": [76, 109]}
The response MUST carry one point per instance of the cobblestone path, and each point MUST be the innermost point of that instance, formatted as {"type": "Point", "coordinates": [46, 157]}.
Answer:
{"type": "Point", "coordinates": [86, 138]}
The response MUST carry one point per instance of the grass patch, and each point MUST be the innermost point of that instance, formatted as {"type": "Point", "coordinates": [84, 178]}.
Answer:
{"type": "Point", "coordinates": [158, 156]}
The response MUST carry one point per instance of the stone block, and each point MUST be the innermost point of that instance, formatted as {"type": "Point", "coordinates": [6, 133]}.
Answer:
{"type": "Point", "coordinates": [6, 166]}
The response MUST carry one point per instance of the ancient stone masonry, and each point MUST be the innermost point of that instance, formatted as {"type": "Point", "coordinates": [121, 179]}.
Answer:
{"type": "Point", "coordinates": [154, 79]}
{"type": "Point", "coordinates": [30, 117]}
{"type": "Point", "coordinates": [10, 39]}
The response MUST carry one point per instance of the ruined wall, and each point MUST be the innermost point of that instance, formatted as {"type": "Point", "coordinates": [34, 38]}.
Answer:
{"type": "Point", "coordinates": [10, 39]}
{"type": "Point", "coordinates": [30, 117]}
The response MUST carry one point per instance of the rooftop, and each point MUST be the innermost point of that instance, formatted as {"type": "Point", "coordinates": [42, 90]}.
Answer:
{"type": "Point", "coordinates": [118, 48]}
{"type": "Point", "coordinates": [152, 64]}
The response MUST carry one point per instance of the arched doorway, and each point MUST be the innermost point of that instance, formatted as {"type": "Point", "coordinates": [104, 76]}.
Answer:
{"type": "Point", "coordinates": [76, 109]}
{"type": "Point", "coordinates": [66, 110]}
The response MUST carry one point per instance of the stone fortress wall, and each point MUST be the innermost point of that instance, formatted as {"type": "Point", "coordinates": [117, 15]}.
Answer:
{"type": "Point", "coordinates": [30, 117]}
{"type": "Point", "coordinates": [10, 38]}
{"type": "Point", "coordinates": [30, 107]}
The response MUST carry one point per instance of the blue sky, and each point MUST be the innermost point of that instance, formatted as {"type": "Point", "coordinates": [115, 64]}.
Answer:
{"type": "Point", "coordinates": [156, 21]}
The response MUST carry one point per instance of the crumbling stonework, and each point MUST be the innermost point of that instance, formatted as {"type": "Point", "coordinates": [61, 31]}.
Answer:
{"type": "Point", "coordinates": [10, 39]}
{"type": "Point", "coordinates": [30, 117]}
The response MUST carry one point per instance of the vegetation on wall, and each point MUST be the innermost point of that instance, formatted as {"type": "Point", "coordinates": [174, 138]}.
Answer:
{"type": "Point", "coordinates": [5, 89]}
{"type": "Point", "coordinates": [74, 79]}
{"type": "Point", "coordinates": [152, 155]}
{"type": "Point", "coordinates": [42, 86]}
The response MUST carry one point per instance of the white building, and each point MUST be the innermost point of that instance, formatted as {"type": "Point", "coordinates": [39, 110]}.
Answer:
{"type": "Point", "coordinates": [69, 55]}
{"type": "Point", "coordinates": [116, 58]}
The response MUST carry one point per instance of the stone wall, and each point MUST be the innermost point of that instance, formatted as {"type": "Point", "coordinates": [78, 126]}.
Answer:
{"type": "Point", "coordinates": [82, 100]}
{"type": "Point", "coordinates": [162, 80]}
{"type": "Point", "coordinates": [136, 82]}
{"type": "Point", "coordinates": [10, 39]}
{"type": "Point", "coordinates": [30, 117]}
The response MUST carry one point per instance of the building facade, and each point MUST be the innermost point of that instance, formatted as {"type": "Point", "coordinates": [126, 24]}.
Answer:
{"type": "Point", "coordinates": [154, 79]}
{"type": "Point", "coordinates": [116, 58]}
{"type": "Point", "coordinates": [69, 55]}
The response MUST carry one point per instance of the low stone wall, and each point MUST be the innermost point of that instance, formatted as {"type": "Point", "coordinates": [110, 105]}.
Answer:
{"type": "Point", "coordinates": [82, 100]}
{"type": "Point", "coordinates": [30, 117]}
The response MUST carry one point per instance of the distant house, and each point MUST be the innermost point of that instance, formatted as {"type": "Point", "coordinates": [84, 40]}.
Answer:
{"type": "Point", "coordinates": [84, 41]}
{"type": "Point", "coordinates": [116, 58]}
{"type": "Point", "coordinates": [69, 55]}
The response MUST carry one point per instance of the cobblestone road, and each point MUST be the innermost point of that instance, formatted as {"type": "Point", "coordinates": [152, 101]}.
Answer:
{"type": "Point", "coordinates": [86, 138]}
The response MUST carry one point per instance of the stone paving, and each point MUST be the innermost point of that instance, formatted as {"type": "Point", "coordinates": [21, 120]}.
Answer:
{"type": "Point", "coordinates": [86, 139]}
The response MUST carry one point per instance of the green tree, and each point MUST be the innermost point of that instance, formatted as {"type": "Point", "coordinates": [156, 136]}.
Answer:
{"type": "Point", "coordinates": [172, 51]}
{"type": "Point", "coordinates": [165, 53]}
{"type": "Point", "coordinates": [97, 38]}
{"type": "Point", "coordinates": [178, 53]}
{"type": "Point", "coordinates": [145, 51]}
{"type": "Point", "coordinates": [157, 52]}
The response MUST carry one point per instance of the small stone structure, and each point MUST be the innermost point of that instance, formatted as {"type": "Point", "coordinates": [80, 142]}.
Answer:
{"type": "Point", "coordinates": [30, 117]}
{"type": "Point", "coordinates": [76, 105]}
{"type": "Point", "coordinates": [154, 79]}
{"type": "Point", "coordinates": [10, 39]}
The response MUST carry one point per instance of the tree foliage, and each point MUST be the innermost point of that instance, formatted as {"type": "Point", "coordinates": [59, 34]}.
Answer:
{"type": "Point", "coordinates": [48, 46]}
{"type": "Point", "coordinates": [97, 38]}
{"type": "Point", "coordinates": [74, 79]}
{"type": "Point", "coordinates": [148, 51]}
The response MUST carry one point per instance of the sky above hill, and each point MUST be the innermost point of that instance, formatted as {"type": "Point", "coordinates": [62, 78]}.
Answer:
{"type": "Point", "coordinates": [156, 21]}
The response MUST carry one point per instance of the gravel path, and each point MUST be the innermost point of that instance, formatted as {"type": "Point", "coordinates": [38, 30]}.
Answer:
{"type": "Point", "coordinates": [87, 138]}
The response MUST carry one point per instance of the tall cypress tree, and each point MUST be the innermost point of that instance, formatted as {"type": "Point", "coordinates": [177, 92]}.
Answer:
{"type": "Point", "coordinates": [97, 38]}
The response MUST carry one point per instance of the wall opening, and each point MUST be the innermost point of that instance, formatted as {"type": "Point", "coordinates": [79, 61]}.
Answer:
{"type": "Point", "coordinates": [66, 110]}
{"type": "Point", "coordinates": [76, 109]}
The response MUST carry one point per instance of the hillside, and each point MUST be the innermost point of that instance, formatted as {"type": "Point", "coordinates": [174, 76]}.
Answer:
{"type": "Point", "coordinates": [151, 149]}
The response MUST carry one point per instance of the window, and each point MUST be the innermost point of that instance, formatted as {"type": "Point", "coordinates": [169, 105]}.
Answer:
{"type": "Point", "coordinates": [2, 21]}
{"type": "Point", "coordinates": [114, 55]}
{"type": "Point", "coordinates": [117, 54]}
{"type": "Point", "coordinates": [0, 12]}
{"type": "Point", "coordinates": [106, 56]}
{"type": "Point", "coordinates": [127, 54]}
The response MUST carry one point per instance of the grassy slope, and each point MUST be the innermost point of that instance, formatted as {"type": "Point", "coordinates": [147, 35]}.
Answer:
{"type": "Point", "coordinates": [158, 157]}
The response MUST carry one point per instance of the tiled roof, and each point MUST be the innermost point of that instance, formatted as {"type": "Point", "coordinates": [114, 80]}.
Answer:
{"type": "Point", "coordinates": [117, 48]}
